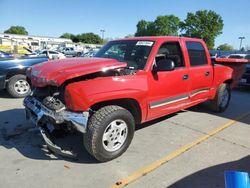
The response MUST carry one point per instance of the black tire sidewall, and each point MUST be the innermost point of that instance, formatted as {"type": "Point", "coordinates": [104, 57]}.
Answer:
{"type": "Point", "coordinates": [222, 89]}
{"type": "Point", "coordinates": [11, 83]}
{"type": "Point", "coordinates": [100, 152]}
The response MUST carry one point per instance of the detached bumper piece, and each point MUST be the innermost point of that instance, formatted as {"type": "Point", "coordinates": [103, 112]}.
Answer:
{"type": "Point", "coordinates": [40, 115]}
{"type": "Point", "coordinates": [54, 148]}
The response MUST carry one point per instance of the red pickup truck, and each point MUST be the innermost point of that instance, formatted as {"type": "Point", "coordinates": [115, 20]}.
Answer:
{"type": "Point", "coordinates": [129, 82]}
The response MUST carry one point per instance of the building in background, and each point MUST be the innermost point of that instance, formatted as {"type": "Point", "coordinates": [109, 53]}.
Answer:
{"type": "Point", "coordinates": [15, 43]}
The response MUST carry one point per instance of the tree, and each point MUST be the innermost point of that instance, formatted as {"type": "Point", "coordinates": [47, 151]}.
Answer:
{"type": "Point", "coordinates": [163, 25]}
{"type": "Point", "coordinates": [142, 28]}
{"type": "Point", "coordinates": [203, 24]}
{"type": "Point", "coordinates": [70, 36]}
{"type": "Point", "coordinates": [242, 49]}
{"type": "Point", "coordinates": [166, 25]}
{"type": "Point", "coordinates": [225, 47]}
{"type": "Point", "coordinates": [67, 36]}
{"type": "Point", "coordinates": [89, 38]}
{"type": "Point", "coordinates": [20, 30]}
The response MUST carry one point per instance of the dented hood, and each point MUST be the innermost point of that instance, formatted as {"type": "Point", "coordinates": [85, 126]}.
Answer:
{"type": "Point", "coordinates": [58, 71]}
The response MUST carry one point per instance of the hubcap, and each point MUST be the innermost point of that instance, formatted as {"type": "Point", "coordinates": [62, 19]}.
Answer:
{"type": "Point", "coordinates": [224, 98]}
{"type": "Point", "coordinates": [115, 135]}
{"type": "Point", "coordinates": [21, 86]}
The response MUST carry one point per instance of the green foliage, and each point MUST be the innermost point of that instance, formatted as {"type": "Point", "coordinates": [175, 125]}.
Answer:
{"type": "Point", "coordinates": [89, 38]}
{"type": "Point", "coordinates": [67, 36]}
{"type": "Point", "coordinates": [242, 49]}
{"type": "Point", "coordinates": [203, 24]}
{"type": "Point", "coordinates": [225, 47]}
{"type": "Point", "coordinates": [70, 36]}
{"type": "Point", "coordinates": [163, 25]}
{"type": "Point", "coordinates": [17, 30]}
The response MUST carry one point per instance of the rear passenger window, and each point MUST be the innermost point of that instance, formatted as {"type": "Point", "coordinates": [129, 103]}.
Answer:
{"type": "Point", "coordinates": [197, 54]}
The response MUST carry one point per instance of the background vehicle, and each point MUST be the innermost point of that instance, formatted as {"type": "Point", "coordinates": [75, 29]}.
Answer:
{"type": "Point", "coordinates": [237, 56]}
{"type": "Point", "coordinates": [130, 81]}
{"type": "Point", "coordinates": [91, 53]}
{"type": "Point", "coordinates": [70, 52]}
{"type": "Point", "coordinates": [245, 80]}
{"type": "Point", "coordinates": [5, 55]}
{"type": "Point", "coordinates": [12, 75]}
{"type": "Point", "coordinates": [52, 54]}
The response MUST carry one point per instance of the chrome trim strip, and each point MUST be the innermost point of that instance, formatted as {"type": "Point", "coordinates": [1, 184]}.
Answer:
{"type": "Point", "coordinates": [171, 100]}
{"type": "Point", "coordinates": [168, 101]}
{"type": "Point", "coordinates": [198, 91]}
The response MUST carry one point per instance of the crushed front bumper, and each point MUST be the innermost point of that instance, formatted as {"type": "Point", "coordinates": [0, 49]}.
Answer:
{"type": "Point", "coordinates": [39, 115]}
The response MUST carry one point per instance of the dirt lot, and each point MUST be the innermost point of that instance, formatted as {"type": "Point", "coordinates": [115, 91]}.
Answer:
{"type": "Point", "coordinates": [25, 161]}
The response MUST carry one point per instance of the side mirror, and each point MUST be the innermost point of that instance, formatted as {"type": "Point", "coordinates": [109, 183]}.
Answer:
{"type": "Point", "coordinates": [164, 65]}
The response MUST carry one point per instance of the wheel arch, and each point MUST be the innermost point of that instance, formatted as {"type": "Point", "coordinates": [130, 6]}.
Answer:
{"type": "Point", "coordinates": [129, 104]}
{"type": "Point", "coordinates": [14, 72]}
{"type": "Point", "coordinates": [229, 81]}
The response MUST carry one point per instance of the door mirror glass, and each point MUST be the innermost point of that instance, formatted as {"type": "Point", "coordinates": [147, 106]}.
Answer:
{"type": "Point", "coordinates": [164, 65]}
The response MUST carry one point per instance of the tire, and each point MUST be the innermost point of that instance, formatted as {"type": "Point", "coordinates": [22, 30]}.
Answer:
{"type": "Point", "coordinates": [106, 121]}
{"type": "Point", "coordinates": [18, 86]}
{"type": "Point", "coordinates": [222, 98]}
{"type": "Point", "coordinates": [78, 54]}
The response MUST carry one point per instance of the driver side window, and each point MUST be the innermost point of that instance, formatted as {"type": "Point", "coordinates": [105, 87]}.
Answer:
{"type": "Point", "coordinates": [172, 51]}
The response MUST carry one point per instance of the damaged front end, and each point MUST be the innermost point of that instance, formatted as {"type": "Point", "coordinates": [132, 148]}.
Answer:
{"type": "Point", "coordinates": [51, 112]}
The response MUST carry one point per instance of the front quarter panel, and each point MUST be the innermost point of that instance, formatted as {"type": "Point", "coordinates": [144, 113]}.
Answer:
{"type": "Point", "coordinates": [80, 96]}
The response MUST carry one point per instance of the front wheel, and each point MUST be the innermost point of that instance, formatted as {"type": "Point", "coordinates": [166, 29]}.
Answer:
{"type": "Point", "coordinates": [110, 132]}
{"type": "Point", "coordinates": [18, 86]}
{"type": "Point", "coordinates": [222, 98]}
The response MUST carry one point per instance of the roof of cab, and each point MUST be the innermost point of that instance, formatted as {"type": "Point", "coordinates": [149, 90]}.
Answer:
{"type": "Point", "coordinates": [158, 38]}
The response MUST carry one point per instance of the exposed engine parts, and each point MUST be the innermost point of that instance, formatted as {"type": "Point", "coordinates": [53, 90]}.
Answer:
{"type": "Point", "coordinates": [53, 103]}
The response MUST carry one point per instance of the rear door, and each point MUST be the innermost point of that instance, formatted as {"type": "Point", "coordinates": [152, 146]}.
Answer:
{"type": "Point", "coordinates": [201, 71]}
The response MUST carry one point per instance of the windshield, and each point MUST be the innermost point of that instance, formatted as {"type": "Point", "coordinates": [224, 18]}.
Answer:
{"type": "Point", "coordinates": [135, 53]}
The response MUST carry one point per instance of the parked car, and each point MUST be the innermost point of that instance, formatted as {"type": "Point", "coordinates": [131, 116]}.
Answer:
{"type": "Point", "coordinates": [51, 54]}
{"type": "Point", "coordinates": [91, 53]}
{"type": "Point", "coordinates": [245, 80]}
{"type": "Point", "coordinates": [128, 82]}
{"type": "Point", "coordinates": [70, 52]}
{"type": "Point", "coordinates": [12, 75]}
{"type": "Point", "coordinates": [5, 55]}
{"type": "Point", "coordinates": [237, 56]}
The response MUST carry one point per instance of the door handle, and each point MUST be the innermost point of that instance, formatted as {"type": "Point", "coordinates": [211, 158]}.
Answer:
{"type": "Point", "coordinates": [207, 73]}
{"type": "Point", "coordinates": [185, 77]}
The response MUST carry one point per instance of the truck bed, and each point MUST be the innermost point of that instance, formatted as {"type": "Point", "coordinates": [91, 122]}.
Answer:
{"type": "Point", "coordinates": [238, 66]}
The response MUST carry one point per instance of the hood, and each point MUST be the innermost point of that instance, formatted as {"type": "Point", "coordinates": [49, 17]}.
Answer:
{"type": "Point", "coordinates": [58, 71]}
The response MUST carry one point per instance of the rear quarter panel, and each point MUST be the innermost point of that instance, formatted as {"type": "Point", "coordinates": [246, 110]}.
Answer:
{"type": "Point", "coordinates": [221, 75]}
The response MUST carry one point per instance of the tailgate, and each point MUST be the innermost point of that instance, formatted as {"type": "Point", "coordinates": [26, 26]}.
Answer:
{"type": "Point", "coordinates": [238, 66]}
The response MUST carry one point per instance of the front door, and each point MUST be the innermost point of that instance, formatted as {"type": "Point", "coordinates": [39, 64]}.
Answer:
{"type": "Point", "coordinates": [168, 90]}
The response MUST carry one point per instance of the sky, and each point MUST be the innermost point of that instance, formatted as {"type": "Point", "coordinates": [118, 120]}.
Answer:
{"type": "Point", "coordinates": [118, 18]}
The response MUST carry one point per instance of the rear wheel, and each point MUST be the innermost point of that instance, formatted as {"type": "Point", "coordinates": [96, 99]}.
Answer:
{"type": "Point", "coordinates": [222, 98]}
{"type": "Point", "coordinates": [110, 132]}
{"type": "Point", "coordinates": [78, 54]}
{"type": "Point", "coordinates": [18, 86]}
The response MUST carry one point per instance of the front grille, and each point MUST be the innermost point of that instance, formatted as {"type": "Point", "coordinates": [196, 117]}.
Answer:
{"type": "Point", "coordinates": [43, 92]}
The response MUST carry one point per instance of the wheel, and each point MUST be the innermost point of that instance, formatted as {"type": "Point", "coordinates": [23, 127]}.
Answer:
{"type": "Point", "coordinates": [78, 54]}
{"type": "Point", "coordinates": [18, 86]}
{"type": "Point", "coordinates": [110, 132]}
{"type": "Point", "coordinates": [222, 98]}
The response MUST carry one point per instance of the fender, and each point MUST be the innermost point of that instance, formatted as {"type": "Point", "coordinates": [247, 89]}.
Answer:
{"type": "Point", "coordinates": [80, 96]}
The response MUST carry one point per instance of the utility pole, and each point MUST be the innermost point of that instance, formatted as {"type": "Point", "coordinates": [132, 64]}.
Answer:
{"type": "Point", "coordinates": [241, 38]}
{"type": "Point", "coordinates": [102, 31]}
